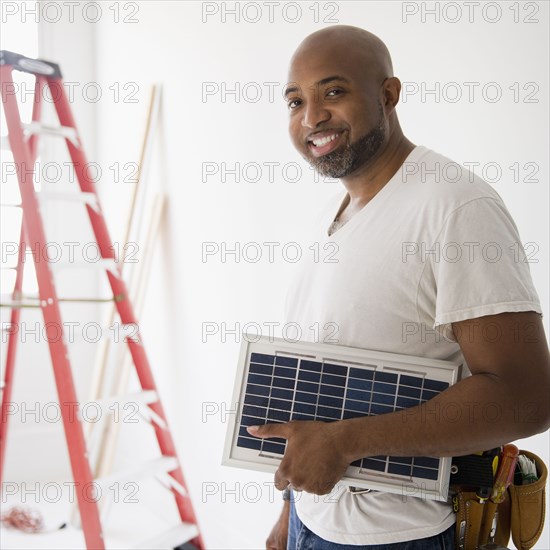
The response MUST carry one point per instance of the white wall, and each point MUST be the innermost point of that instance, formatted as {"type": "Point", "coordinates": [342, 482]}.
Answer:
{"type": "Point", "coordinates": [170, 44]}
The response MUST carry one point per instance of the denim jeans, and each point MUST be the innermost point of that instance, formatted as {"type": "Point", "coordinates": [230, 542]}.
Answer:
{"type": "Point", "coordinates": [301, 538]}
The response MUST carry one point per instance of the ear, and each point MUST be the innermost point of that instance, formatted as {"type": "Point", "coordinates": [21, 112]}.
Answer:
{"type": "Point", "coordinates": [391, 90]}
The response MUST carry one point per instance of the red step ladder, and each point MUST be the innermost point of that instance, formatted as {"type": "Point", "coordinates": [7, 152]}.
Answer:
{"type": "Point", "coordinates": [23, 142]}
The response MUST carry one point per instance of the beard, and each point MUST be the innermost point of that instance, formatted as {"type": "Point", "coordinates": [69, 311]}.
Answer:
{"type": "Point", "coordinates": [340, 164]}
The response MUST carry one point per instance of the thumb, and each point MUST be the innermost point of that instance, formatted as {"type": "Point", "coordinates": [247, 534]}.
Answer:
{"type": "Point", "coordinates": [268, 430]}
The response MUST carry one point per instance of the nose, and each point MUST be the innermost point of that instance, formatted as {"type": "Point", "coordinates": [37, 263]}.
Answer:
{"type": "Point", "coordinates": [314, 114]}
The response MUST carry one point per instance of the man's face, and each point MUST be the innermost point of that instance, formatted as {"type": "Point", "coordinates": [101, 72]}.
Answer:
{"type": "Point", "coordinates": [337, 121]}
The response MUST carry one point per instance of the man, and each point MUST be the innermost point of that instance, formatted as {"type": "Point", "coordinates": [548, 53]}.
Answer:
{"type": "Point", "coordinates": [386, 293]}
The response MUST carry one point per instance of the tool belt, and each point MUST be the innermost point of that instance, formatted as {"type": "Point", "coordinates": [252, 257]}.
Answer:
{"type": "Point", "coordinates": [480, 520]}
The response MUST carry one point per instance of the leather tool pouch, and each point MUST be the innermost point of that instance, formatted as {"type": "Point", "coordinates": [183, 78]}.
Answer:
{"type": "Point", "coordinates": [521, 512]}
{"type": "Point", "coordinates": [528, 503]}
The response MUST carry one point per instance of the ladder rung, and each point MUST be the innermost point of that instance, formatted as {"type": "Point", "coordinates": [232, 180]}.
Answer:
{"type": "Point", "coordinates": [63, 131]}
{"type": "Point", "coordinates": [80, 196]}
{"type": "Point", "coordinates": [5, 143]}
{"type": "Point", "coordinates": [108, 264]}
{"type": "Point", "coordinates": [172, 538]}
{"type": "Point", "coordinates": [153, 468]}
{"type": "Point", "coordinates": [34, 301]}
{"type": "Point", "coordinates": [9, 302]}
{"type": "Point", "coordinates": [145, 397]}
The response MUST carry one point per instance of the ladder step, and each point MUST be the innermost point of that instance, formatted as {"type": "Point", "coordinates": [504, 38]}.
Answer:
{"type": "Point", "coordinates": [5, 143]}
{"type": "Point", "coordinates": [63, 131]}
{"type": "Point", "coordinates": [145, 397]}
{"type": "Point", "coordinates": [81, 196]}
{"type": "Point", "coordinates": [152, 468]}
{"type": "Point", "coordinates": [170, 539]}
{"type": "Point", "coordinates": [6, 300]}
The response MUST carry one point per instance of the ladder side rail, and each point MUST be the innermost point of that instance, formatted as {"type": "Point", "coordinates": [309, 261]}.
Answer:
{"type": "Point", "coordinates": [39, 88]}
{"type": "Point", "coordinates": [13, 336]}
{"type": "Point", "coordinates": [124, 306]}
{"type": "Point", "coordinates": [68, 402]}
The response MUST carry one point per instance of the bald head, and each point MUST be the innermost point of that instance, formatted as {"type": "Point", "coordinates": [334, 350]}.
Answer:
{"type": "Point", "coordinates": [358, 47]}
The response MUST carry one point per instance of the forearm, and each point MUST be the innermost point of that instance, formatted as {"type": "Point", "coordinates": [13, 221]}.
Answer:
{"type": "Point", "coordinates": [478, 413]}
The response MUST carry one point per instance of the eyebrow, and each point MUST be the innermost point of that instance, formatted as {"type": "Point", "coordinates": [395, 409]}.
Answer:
{"type": "Point", "coordinates": [327, 80]}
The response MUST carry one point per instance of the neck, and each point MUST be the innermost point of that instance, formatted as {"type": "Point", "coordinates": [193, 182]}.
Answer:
{"type": "Point", "coordinates": [364, 183]}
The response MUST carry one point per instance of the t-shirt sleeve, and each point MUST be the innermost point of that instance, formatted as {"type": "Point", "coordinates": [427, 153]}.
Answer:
{"type": "Point", "coordinates": [480, 265]}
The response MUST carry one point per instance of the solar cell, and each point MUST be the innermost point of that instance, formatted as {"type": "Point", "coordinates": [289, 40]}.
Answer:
{"type": "Point", "coordinates": [279, 381]}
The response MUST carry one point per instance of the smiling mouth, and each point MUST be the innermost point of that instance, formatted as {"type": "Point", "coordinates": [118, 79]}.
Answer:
{"type": "Point", "coordinates": [324, 143]}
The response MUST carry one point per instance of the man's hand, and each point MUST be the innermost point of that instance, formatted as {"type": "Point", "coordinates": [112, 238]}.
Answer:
{"type": "Point", "coordinates": [314, 460]}
{"type": "Point", "coordinates": [278, 537]}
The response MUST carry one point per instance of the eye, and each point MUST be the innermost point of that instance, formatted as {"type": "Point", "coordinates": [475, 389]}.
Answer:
{"type": "Point", "coordinates": [333, 92]}
{"type": "Point", "coordinates": [293, 103]}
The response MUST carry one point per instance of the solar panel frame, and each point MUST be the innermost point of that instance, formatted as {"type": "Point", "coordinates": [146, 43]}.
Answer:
{"type": "Point", "coordinates": [386, 474]}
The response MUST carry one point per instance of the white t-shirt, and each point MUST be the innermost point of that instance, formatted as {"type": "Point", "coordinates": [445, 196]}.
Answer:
{"type": "Point", "coordinates": [434, 246]}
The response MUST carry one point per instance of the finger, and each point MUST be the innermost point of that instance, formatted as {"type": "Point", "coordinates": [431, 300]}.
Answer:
{"type": "Point", "coordinates": [280, 481]}
{"type": "Point", "coordinates": [269, 430]}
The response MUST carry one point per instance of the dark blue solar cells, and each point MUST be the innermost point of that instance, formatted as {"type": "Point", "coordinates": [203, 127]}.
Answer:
{"type": "Point", "coordinates": [307, 386]}
{"type": "Point", "coordinates": [405, 402]}
{"type": "Point", "coordinates": [371, 464]}
{"type": "Point", "coordinates": [427, 461]}
{"type": "Point", "coordinates": [337, 391]}
{"type": "Point", "coordinates": [280, 389]}
{"type": "Point", "coordinates": [357, 405]}
{"type": "Point", "coordinates": [286, 361]}
{"type": "Point", "coordinates": [310, 376]}
{"type": "Point", "coordinates": [415, 381]}
{"type": "Point", "coordinates": [380, 387]}
{"type": "Point", "coordinates": [275, 448]}
{"type": "Point", "coordinates": [333, 379]}
{"type": "Point", "coordinates": [330, 401]}
{"type": "Point", "coordinates": [425, 473]}
{"type": "Point", "coordinates": [281, 416]}
{"type": "Point", "coordinates": [335, 369]}
{"type": "Point", "coordinates": [280, 393]}
{"type": "Point", "coordinates": [306, 397]}
{"type": "Point", "coordinates": [401, 459]}
{"type": "Point", "coordinates": [257, 389]}
{"type": "Point", "coordinates": [381, 376]}
{"type": "Point", "coordinates": [427, 395]}
{"type": "Point", "coordinates": [279, 404]}
{"type": "Point", "coordinates": [248, 443]}
{"type": "Point", "coordinates": [304, 408]}
{"type": "Point", "coordinates": [359, 395]}
{"type": "Point", "coordinates": [380, 409]}
{"type": "Point", "coordinates": [280, 382]}
{"type": "Point", "coordinates": [286, 372]}
{"type": "Point", "coordinates": [361, 373]}
{"type": "Point", "coordinates": [262, 358]}
{"type": "Point", "coordinates": [435, 385]}
{"type": "Point", "coordinates": [399, 469]}
{"type": "Point", "coordinates": [383, 399]}
{"type": "Point", "coordinates": [257, 368]}
{"type": "Point", "coordinates": [251, 410]}
{"type": "Point", "coordinates": [360, 384]}
{"type": "Point", "coordinates": [311, 365]}
{"type": "Point", "coordinates": [259, 400]}
{"type": "Point", "coordinates": [329, 412]}
{"type": "Point", "coordinates": [259, 379]}
{"type": "Point", "coordinates": [406, 391]}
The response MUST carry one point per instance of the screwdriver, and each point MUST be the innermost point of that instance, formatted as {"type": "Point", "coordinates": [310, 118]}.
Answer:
{"type": "Point", "coordinates": [507, 466]}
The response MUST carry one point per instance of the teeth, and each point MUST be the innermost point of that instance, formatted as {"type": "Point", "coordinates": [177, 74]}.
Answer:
{"type": "Point", "coordinates": [324, 141]}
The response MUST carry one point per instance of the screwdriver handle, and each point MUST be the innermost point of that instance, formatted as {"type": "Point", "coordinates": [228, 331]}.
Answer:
{"type": "Point", "coordinates": [505, 474]}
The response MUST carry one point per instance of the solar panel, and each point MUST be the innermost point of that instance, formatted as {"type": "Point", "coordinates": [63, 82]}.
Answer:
{"type": "Point", "coordinates": [280, 381]}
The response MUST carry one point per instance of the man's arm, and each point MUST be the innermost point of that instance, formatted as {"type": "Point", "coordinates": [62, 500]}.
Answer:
{"type": "Point", "coordinates": [505, 399]}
